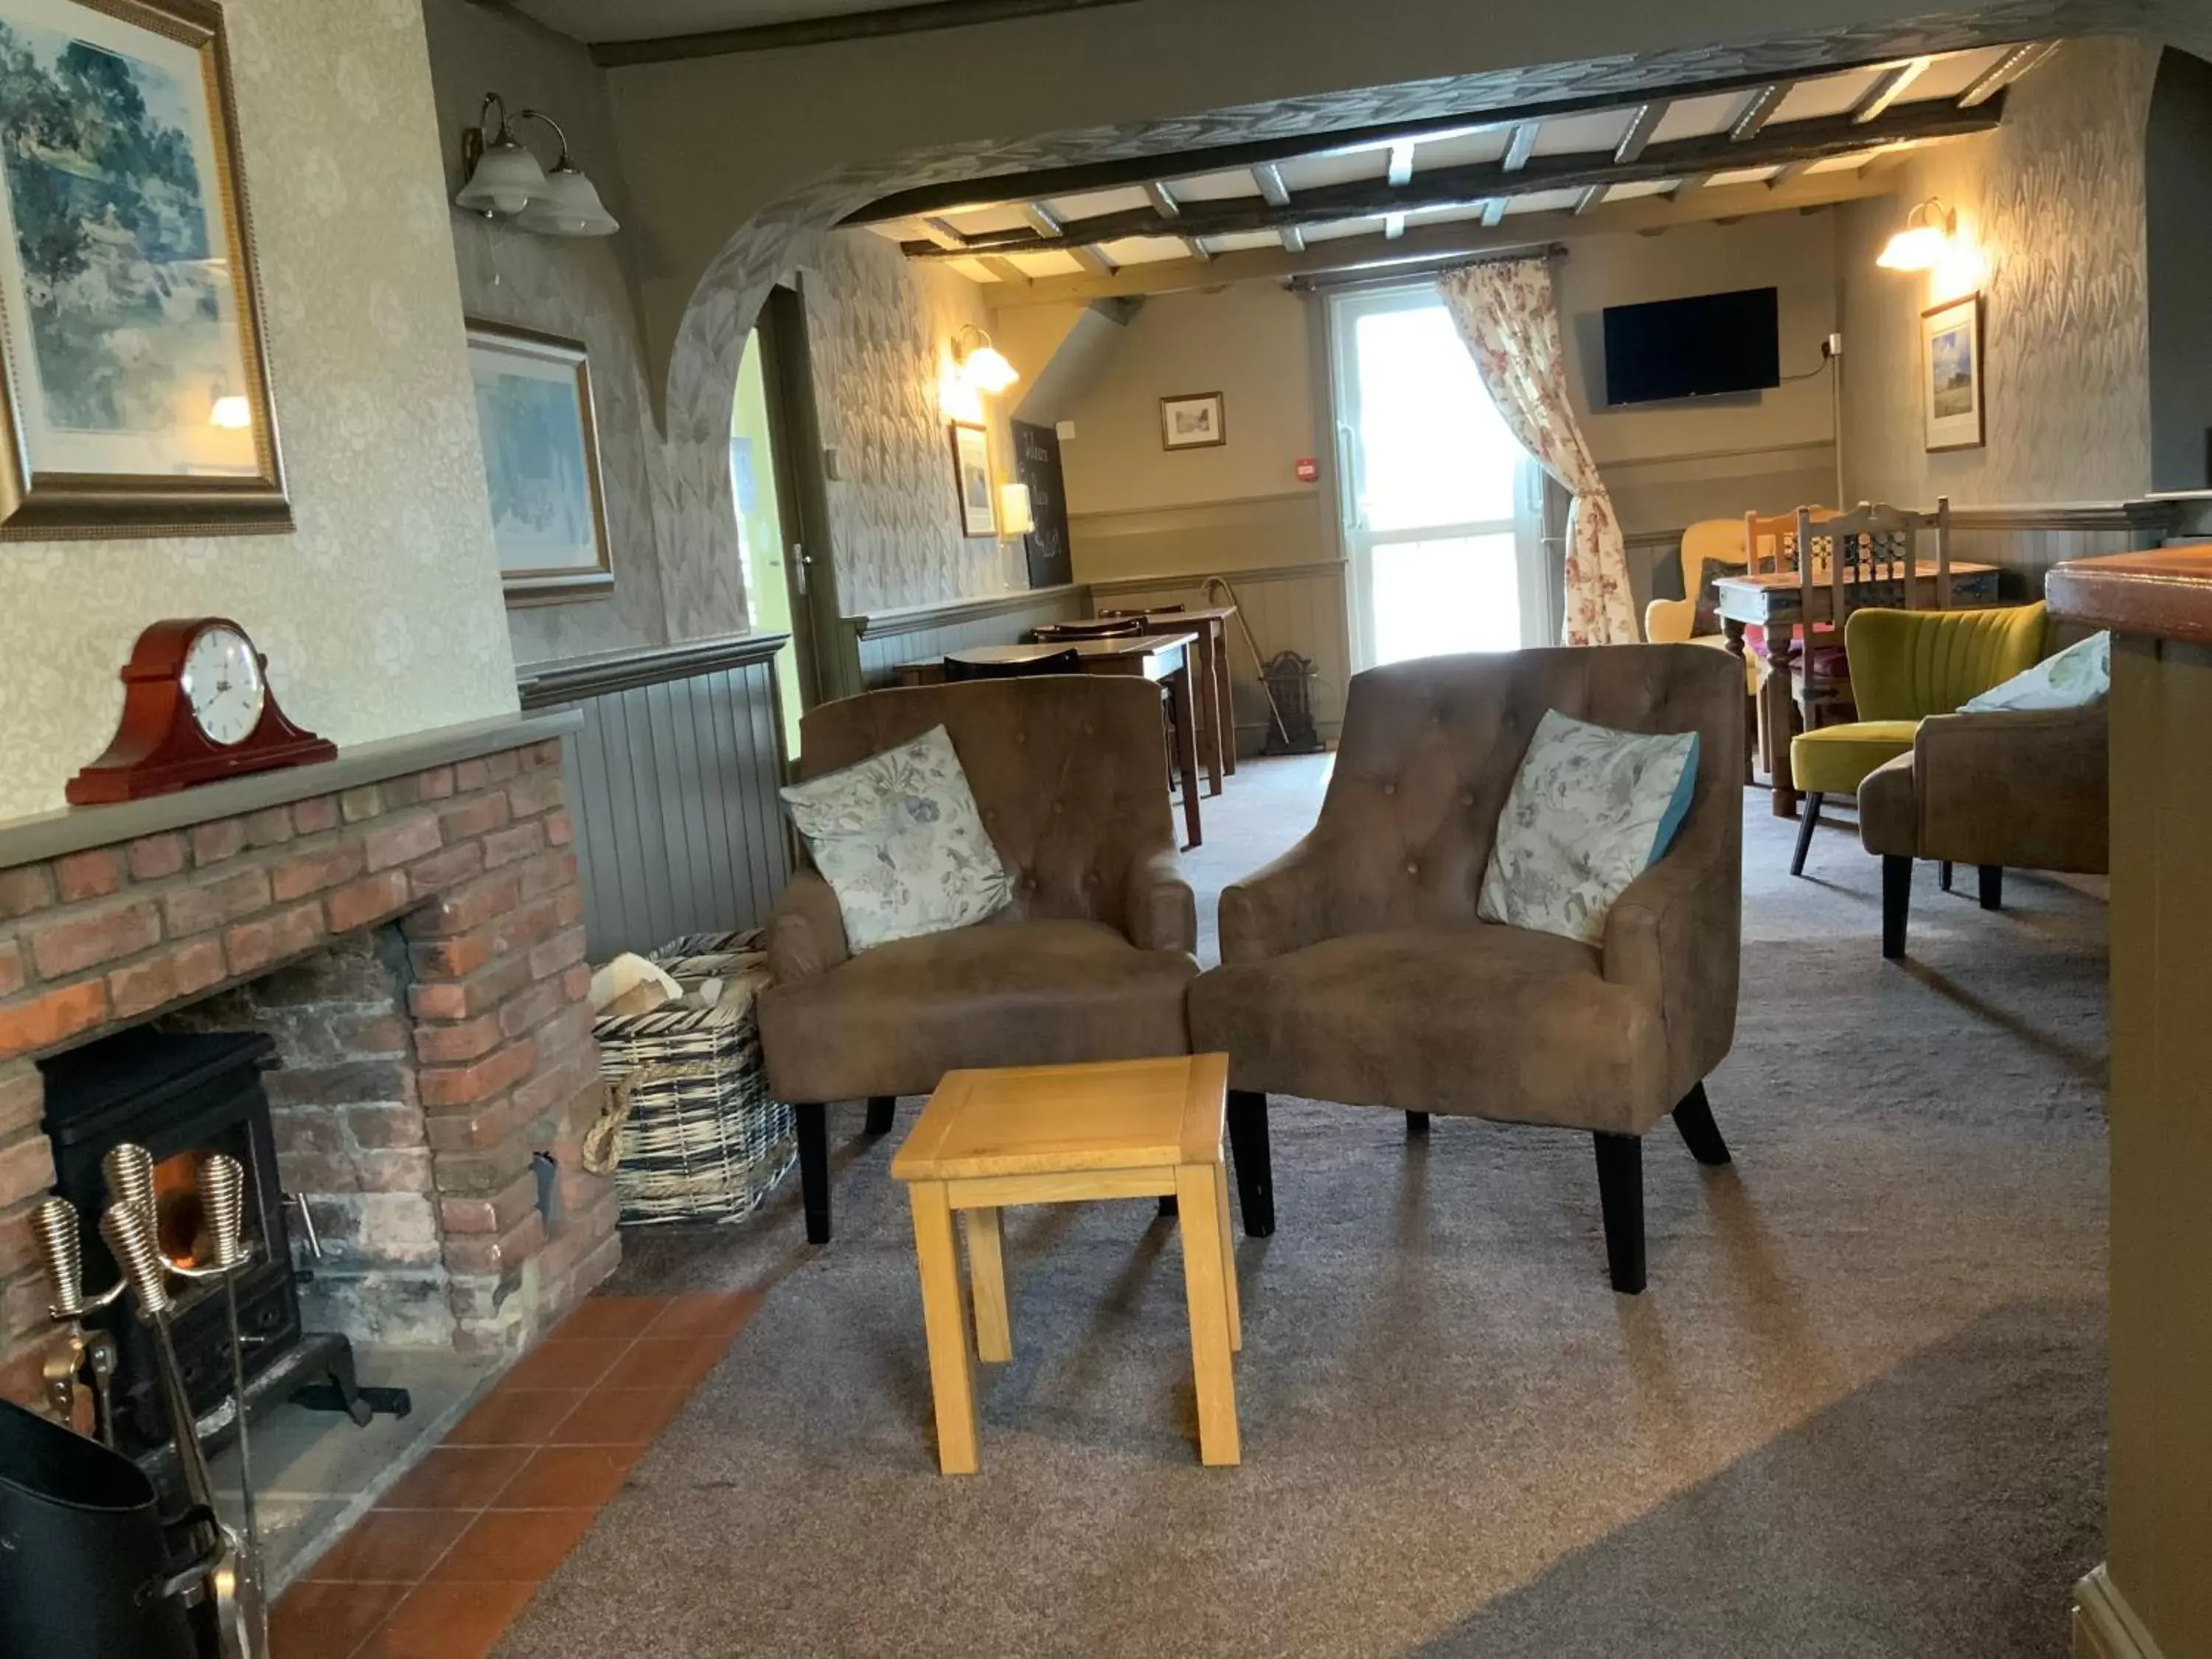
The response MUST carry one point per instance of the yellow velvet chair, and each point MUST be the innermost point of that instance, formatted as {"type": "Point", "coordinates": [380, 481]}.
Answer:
{"type": "Point", "coordinates": [1675, 622]}
{"type": "Point", "coordinates": [1905, 665]}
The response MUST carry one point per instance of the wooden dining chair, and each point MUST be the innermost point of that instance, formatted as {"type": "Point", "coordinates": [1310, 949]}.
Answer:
{"type": "Point", "coordinates": [1089, 627]}
{"type": "Point", "coordinates": [1060, 662]}
{"type": "Point", "coordinates": [1867, 558]}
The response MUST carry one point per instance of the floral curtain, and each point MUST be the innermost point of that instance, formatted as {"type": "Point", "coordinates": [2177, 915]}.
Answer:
{"type": "Point", "coordinates": [1508, 316]}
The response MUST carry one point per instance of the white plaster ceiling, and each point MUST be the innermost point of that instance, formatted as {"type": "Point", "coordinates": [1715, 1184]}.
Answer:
{"type": "Point", "coordinates": [650, 19]}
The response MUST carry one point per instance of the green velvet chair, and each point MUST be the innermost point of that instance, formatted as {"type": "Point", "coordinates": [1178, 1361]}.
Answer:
{"type": "Point", "coordinates": [1905, 665]}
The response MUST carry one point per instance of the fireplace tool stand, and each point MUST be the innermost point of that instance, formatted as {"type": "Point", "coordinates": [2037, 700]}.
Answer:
{"type": "Point", "coordinates": [226, 1583]}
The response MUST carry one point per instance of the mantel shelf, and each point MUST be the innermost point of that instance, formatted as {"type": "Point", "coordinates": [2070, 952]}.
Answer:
{"type": "Point", "coordinates": [72, 829]}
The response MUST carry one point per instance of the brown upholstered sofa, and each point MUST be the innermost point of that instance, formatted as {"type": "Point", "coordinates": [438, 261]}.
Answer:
{"type": "Point", "coordinates": [1354, 968]}
{"type": "Point", "coordinates": [1090, 962]}
{"type": "Point", "coordinates": [2025, 789]}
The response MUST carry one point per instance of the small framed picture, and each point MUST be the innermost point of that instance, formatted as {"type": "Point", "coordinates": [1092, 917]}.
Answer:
{"type": "Point", "coordinates": [541, 451]}
{"type": "Point", "coordinates": [1192, 421]}
{"type": "Point", "coordinates": [1951, 373]}
{"type": "Point", "coordinates": [971, 479]}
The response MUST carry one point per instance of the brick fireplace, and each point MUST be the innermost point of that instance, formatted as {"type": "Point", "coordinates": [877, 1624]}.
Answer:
{"type": "Point", "coordinates": [405, 923]}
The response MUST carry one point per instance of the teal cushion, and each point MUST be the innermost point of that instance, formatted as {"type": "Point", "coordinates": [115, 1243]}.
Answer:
{"type": "Point", "coordinates": [1678, 806]}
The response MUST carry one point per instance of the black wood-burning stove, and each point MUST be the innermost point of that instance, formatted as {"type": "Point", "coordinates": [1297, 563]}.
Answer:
{"type": "Point", "coordinates": [182, 1096]}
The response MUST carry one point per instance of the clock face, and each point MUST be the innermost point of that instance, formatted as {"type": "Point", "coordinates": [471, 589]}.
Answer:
{"type": "Point", "coordinates": [222, 686]}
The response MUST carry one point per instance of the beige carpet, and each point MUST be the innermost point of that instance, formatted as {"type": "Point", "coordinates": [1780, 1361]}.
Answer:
{"type": "Point", "coordinates": [1860, 1410]}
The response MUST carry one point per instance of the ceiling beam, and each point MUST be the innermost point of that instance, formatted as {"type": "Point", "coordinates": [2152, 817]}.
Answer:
{"type": "Point", "coordinates": [1641, 126]}
{"type": "Point", "coordinates": [1759, 110]}
{"type": "Point", "coordinates": [826, 31]}
{"type": "Point", "coordinates": [1425, 243]}
{"type": "Point", "coordinates": [1493, 211]}
{"type": "Point", "coordinates": [1198, 248]}
{"type": "Point", "coordinates": [1094, 260]}
{"type": "Point", "coordinates": [1401, 163]}
{"type": "Point", "coordinates": [1007, 271]}
{"type": "Point", "coordinates": [1787, 172]}
{"type": "Point", "coordinates": [1043, 219]}
{"type": "Point", "coordinates": [1463, 188]}
{"type": "Point", "coordinates": [2007, 69]}
{"type": "Point", "coordinates": [943, 233]}
{"type": "Point", "coordinates": [1268, 178]}
{"type": "Point", "coordinates": [1394, 226]}
{"type": "Point", "coordinates": [1520, 146]}
{"type": "Point", "coordinates": [1887, 89]}
{"type": "Point", "coordinates": [1590, 198]}
{"type": "Point", "coordinates": [1292, 237]}
{"type": "Point", "coordinates": [1163, 200]}
{"type": "Point", "coordinates": [1084, 176]}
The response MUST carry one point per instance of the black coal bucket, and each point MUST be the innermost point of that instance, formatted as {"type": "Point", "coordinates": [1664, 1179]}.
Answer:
{"type": "Point", "coordinates": [83, 1560]}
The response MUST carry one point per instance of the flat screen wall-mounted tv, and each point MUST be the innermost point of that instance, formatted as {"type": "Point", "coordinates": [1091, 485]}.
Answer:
{"type": "Point", "coordinates": [1695, 348]}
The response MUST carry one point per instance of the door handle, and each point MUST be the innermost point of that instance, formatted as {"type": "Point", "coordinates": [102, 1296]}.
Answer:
{"type": "Point", "coordinates": [798, 563]}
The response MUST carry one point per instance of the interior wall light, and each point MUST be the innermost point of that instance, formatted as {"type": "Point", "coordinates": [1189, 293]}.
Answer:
{"type": "Point", "coordinates": [1924, 241]}
{"type": "Point", "coordinates": [231, 412]}
{"type": "Point", "coordinates": [504, 180]}
{"type": "Point", "coordinates": [981, 363]}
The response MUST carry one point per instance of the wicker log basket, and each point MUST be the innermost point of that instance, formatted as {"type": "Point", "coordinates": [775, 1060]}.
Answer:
{"type": "Point", "coordinates": [690, 1131]}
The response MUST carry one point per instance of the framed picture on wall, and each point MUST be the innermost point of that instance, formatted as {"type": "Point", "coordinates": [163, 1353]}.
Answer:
{"type": "Point", "coordinates": [136, 399]}
{"type": "Point", "coordinates": [541, 450]}
{"type": "Point", "coordinates": [1193, 420]}
{"type": "Point", "coordinates": [1951, 373]}
{"type": "Point", "coordinates": [971, 479]}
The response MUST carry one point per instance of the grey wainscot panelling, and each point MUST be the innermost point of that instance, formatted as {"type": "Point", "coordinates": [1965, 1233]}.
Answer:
{"type": "Point", "coordinates": [1299, 607]}
{"type": "Point", "coordinates": [671, 783]}
{"type": "Point", "coordinates": [882, 640]}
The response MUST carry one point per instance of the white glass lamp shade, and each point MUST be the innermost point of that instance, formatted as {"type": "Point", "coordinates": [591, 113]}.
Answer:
{"type": "Point", "coordinates": [506, 179]}
{"type": "Point", "coordinates": [987, 370]}
{"type": "Point", "coordinates": [1924, 241]}
{"type": "Point", "coordinates": [569, 205]}
{"type": "Point", "coordinates": [1015, 517]}
{"type": "Point", "coordinates": [231, 412]}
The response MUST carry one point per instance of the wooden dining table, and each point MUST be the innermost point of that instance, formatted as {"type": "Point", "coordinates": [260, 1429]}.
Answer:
{"type": "Point", "coordinates": [1774, 601]}
{"type": "Point", "coordinates": [1217, 714]}
{"type": "Point", "coordinates": [1162, 658]}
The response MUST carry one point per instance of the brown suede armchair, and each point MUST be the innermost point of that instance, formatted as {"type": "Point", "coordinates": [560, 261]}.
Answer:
{"type": "Point", "coordinates": [2013, 787]}
{"type": "Point", "coordinates": [1090, 962]}
{"type": "Point", "coordinates": [1354, 968]}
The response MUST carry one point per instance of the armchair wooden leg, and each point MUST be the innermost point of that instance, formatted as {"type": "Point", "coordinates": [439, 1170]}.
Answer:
{"type": "Point", "coordinates": [1693, 1116]}
{"type": "Point", "coordinates": [813, 1125]}
{"type": "Point", "coordinates": [1621, 1191]}
{"type": "Point", "coordinates": [1943, 876]}
{"type": "Point", "coordinates": [882, 1110]}
{"type": "Point", "coordinates": [1807, 821]}
{"type": "Point", "coordinates": [1168, 1204]}
{"type": "Point", "coordinates": [1992, 877]}
{"type": "Point", "coordinates": [1896, 903]}
{"type": "Point", "coordinates": [1248, 1148]}
{"type": "Point", "coordinates": [1417, 1124]}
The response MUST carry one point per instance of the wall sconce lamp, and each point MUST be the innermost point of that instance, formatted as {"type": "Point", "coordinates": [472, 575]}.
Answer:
{"type": "Point", "coordinates": [505, 182]}
{"type": "Point", "coordinates": [981, 363]}
{"type": "Point", "coordinates": [1924, 240]}
{"type": "Point", "coordinates": [1016, 516]}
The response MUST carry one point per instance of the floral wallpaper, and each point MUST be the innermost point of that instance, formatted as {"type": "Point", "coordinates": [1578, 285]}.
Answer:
{"type": "Point", "coordinates": [381, 613]}
{"type": "Point", "coordinates": [2051, 219]}
{"type": "Point", "coordinates": [881, 329]}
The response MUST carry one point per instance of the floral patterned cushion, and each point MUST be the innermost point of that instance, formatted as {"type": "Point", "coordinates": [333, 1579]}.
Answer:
{"type": "Point", "coordinates": [2073, 678]}
{"type": "Point", "coordinates": [1590, 810]}
{"type": "Point", "coordinates": [899, 841]}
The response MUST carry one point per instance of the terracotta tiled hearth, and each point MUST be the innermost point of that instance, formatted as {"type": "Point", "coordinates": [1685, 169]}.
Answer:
{"type": "Point", "coordinates": [416, 944]}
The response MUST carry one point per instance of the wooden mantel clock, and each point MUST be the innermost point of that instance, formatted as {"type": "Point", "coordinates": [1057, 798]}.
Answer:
{"type": "Point", "coordinates": [197, 706]}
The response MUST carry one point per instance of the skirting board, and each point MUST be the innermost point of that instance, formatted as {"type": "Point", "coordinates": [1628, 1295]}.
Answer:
{"type": "Point", "coordinates": [2105, 1625]}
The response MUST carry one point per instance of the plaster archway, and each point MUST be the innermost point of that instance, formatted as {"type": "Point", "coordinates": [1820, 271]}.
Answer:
{"type": "Point", "coordinates": [701, 545]}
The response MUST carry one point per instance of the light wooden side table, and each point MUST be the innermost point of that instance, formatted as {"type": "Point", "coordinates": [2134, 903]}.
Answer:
{"type": "Point", "coordinates": [1052, 1134]}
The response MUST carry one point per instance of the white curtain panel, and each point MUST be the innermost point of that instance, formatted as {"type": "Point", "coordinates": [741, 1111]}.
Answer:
{"type": "Point", "coordinates": [1508, 315]}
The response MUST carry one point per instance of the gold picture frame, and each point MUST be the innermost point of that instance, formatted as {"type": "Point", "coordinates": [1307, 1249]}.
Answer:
{"type": "Point", "coordinates": [541, 450]}
{"type": "Point", "coordinates": [1193, 420]}
{"type": "Point", "coordinates": [135, 398]}
{"type": "Point", "coordinates": [1951, 408]}
{"type": "Point", "coordinates": [971, 480]}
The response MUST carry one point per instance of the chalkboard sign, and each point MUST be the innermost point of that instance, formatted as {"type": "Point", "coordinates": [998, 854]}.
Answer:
{"type": "Point", "coordinates": [1037, 464]}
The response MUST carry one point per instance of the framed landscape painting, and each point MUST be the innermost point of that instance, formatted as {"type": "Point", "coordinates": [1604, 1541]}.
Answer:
{"type": "Point", "coordinates": [971, 477]}
{"type": "Point", "coordinates": [1193, 420]}
{"type": "Point", "coordinates": [135, 398]}
{"type": "Point", "coordinates": [1951, 373]}
{"type": "Point", "coordinates": [541, 450]}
